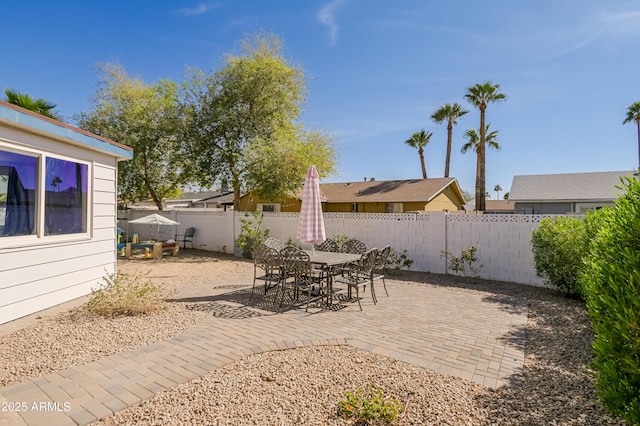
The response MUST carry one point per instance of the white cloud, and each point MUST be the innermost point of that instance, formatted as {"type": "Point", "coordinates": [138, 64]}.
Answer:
{"type": "Point", "coordinates": [326, 16]}
{"type": "Point", "coordinates": [199, 9]}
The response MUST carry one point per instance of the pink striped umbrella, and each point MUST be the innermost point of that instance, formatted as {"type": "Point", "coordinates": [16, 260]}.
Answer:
{"type": "Point", "coordinates": [310, 222]}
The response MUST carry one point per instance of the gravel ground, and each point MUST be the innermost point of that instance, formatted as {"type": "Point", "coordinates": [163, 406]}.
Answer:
{"type": "Point", "coordinates": [291, 387]}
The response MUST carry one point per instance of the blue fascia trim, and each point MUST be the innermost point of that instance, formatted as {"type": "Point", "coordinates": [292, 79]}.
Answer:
{"type": "Point", "coordinates": [63, 132]}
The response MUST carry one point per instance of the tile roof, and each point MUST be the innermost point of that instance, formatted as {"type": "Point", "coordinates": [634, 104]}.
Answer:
{"type": "Point", "coordinates": [390, 191]}
{"type": "Point", "coordinates": [595, 186]}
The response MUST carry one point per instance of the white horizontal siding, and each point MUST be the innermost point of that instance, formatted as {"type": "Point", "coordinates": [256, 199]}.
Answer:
{"type": "Point", "coordinates": [43, 275]}
{"type": "Point", "coordinates": [60, 292]}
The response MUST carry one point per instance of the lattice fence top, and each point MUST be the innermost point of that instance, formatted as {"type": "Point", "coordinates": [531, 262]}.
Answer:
{"type": "Point", "coordinates": [360, 216]}
{"type": "Point", "coordinates": [504, 218]}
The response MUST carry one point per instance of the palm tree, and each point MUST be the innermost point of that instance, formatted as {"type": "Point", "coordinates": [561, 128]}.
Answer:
{"type": "Point", "coordinates": [497, 188]}
{"type": "Point", "coordinates": [40, 106]}
{"type": "Point", "coordinates": [420, 140]}
{"type": "Point", "coordinates": [450, 113]}
{"type": "Point", "coordinates": [479, 96]}
{"type": "Point", "coordinates": [473, 140]}
{"type": "Point", "coordinates": [633, 114]}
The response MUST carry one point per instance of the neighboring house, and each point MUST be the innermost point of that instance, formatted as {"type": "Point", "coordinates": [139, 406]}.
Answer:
{"type": "Point", "coordinates": [392, 196]}
{"type": "Point", "coordinates": [565, 193]}
{"type": "Point", "coordinates": [57, 211]}
{"type": "Point", "coordinates": [208, 199]}
{"type": "Point", "coordinates": [499, 207]}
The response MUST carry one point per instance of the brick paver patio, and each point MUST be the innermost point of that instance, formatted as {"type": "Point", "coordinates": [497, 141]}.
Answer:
{"type": "Point", "coordinates": [463, 334]}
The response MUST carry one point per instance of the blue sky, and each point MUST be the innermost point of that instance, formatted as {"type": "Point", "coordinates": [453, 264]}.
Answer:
{"type": "Point", "coordinates": [376, 71]}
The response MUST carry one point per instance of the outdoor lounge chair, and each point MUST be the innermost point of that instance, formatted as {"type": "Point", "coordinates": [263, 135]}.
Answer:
{"type": "Point", "coordinates": [187, 237]}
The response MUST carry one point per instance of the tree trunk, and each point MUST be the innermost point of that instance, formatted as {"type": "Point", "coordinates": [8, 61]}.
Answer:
{"type": "Point", "coordinates": [424, 168]}
{"type": "Point", "coordinates": [638, 121]}
{"type": "Point", "coordinates": [448, 159]}
{"type": "Point", "coordinates": [480, 167]}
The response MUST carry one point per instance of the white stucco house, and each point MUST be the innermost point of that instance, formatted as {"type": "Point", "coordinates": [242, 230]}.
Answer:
{"type": "Point", "coordinates": [57, 211]}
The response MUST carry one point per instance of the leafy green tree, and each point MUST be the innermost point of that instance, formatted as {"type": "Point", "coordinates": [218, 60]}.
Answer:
{"type": "Point", "coordinates": [148, 119]}
{"type": "Point", "coordinates": [479, 96]}
{"type": "Point", "coordinates": [255, 98]}
{"type": "Point", "coordinates": [419, 140]}
{"type": "Point", "coordinates": [39, 105]}
{"type": "Point", "coordinates": [506, 196]}
{"type": "Point", "coordinates": [497, 188]}
{"type": "Point", "coordinates": [633, 115]}
{"type": "Point", "coordinates": [473, 140]}
{"type": "Point", "coordinates": [277, 166]}
{"type": "Point", "coordinates": [449, 113]}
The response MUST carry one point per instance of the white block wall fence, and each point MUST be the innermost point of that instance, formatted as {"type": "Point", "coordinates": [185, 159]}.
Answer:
{"type": "Point", "coordinates": [504, 241]}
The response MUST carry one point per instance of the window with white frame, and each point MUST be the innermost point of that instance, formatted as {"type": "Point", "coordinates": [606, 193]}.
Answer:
{"type": "Point", "coordinates": [42, 195]}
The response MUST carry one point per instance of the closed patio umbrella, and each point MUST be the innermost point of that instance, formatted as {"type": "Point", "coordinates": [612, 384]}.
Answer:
{"type": "Point", "coordinates": [155, 219]}
{"type": "Point", "coordinates": [310, 222]}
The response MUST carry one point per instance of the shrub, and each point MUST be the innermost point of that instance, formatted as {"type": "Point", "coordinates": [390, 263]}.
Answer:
{"type": "Point", "coordinates": [250, 233]}
{"type": "Point", "coordinates": [369, 407]}
{"type": "Point", "coordinates": [611, 283]}
{"type": "Point", "coordinates": [465, 264]}
{"type": "Point", "coordinates": [398, 260]}
{"type": "Point", "coordinates": [559, 246]}
{"type": "Point", "coordinates": [126, 295]}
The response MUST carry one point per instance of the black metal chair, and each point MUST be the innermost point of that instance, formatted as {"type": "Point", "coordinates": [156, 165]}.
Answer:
{"type": "Point", "coordinates": [361, 275]}
{"type": "Point", "coordinates": [267, 267]}
{"type": "Point", "coordinates": [274, 243]}
{"type": "Point", "coordinates": [299, 276]}
{"type": "Point", "coordinates": [187, 237]}
{"type": "Point", "coordinates": [377, 273]}
{"type": "Point", "coordinates": [327, 245]}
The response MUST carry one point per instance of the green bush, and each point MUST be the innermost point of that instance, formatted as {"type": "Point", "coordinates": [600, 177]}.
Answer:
{"type": "Point", "coordinates": [611, 283]}
{"type": "Point", "coordinates": [559, 246]}
{"type": "Point", "coordinates": [369, 407]}
{"type": "Point", "coordinates": [126, 295]}
{"type": "Point", "coordinates": [465, 264]}
{"type": "Point", "coordinates": [250, 233]}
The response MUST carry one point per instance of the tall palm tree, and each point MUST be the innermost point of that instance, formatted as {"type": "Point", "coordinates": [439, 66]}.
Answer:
{"type": "Point", "coordinates": [633, 114]}
{"type": "Point", "coordinates": [473, 141]}
{"type": "Point", "coordinates": [419, 140]}
{"type": "Point", "coordinates": [479, 96]}
{"type": "Point", "coordinates": [449, 113]}
{"type": "Point", "coordinates": [40, 106]}
{"type": "Point", "coordinates": [497, 188]}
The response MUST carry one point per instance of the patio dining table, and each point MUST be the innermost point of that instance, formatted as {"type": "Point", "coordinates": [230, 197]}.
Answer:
{"type": "Point", "coordinates": [327, 260]}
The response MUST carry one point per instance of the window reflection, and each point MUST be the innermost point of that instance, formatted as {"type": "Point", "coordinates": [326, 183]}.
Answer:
{"type": "Point", "coordinates": [65, 210]}
{"type": "Point", "coordinates": [18, 180]}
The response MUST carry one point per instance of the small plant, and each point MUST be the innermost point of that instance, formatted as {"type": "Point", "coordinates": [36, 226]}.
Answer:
{"type": "Point", "coordinates": [398, 260]}
{"type": "Point", "coordinates": [128, 295]}
{"type": "Point", "coordinates": [340, 239]}
{"type": "Point", "coordinates": [465, 264]}
{"type": "Point", "coordinates": [250, 233]}
{"type": "Point", "coordinates": [369, 407]}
